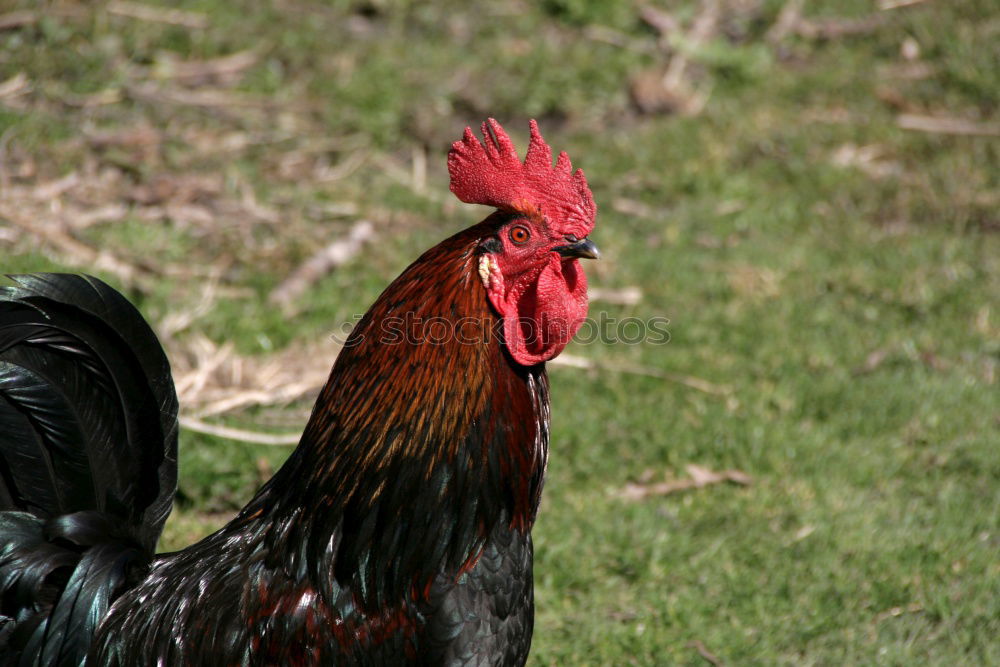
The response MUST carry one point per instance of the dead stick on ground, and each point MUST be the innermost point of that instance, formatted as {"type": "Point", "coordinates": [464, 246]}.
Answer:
{"type": "Point", "coordinates": [225, 66]}
{"type": "Point", "coordinates": [18, 19]}
{"type": "Point", "coordinates": [18, 84]}
{"type": "Point", "coordinates": [52, 189]}
{"type": "Point", "coordinates": [788, 19]}
{"type": "Point", "coordinates": [702, 30]}
{"type": "Point", "coordinates": [206, 98]}
{"type": "Point", "coordinates": [674, 90]}
{"type": "Point", "coordinates": [77, 252]}
{"type": "Point", "coordinates": [624, 296]}
{"type": "Point", "coordinates": [5, 140]}
{"type": "Point", "coordinates": [239, 434]}
{"type": "Point", "coordinates": [946, 125]}
{"type": "Point", "coordinates": [284, 394]}
{"type": "Point", "coordinates": [177, 321]}
{"type": "Point", "coordinates": [317, 266]}
{"type": "Point", "coordinates": [835, 28]}
{"type": "Point", "coordinates": [180, 17]}
{"type": "Point", "coordinates": [895, 612]}
{"type": "Point", "coordinates": [209, 358]}
{"type": "Point", "coordinates": [21, 18]}
{"type": "Point", "coordinates": [700, 477]}
{"type": "Point", "coordinates": [705, 653]}
{"type": "Point", "coordinates": [898, 4]}
{"type": "Point", "coordinates": [573, 361]}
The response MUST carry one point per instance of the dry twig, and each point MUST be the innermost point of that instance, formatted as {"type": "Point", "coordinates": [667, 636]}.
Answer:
{"type": "Point", "coordinates": [790, 21]}
{"type": "Point", "coordinates": [573, 361]}
{"type": "Point", "coordinates": [869, 159]}
{"type": "Point", "coordinates": [135, 10]}
{"type": "Point", "coordinates": [211, 379]}
{"type": "Point", "coordinates": [893, 612]}
{"type": "Point", "coordinates": [321, 263]}
{"type": "Point", "coordinates": [18, 19]}
{"type": "Point", "coordinates": [176, 322]}
{"type": "Point", "coordinates": [625, 296]}
{"type": "Point", "coordinates": [872, 361]}
{"type": "Point", "coordinates": [107, 213]}
{"type": "Point", "coordinates": [254, 437]}
{"type": "Point", "coordinates": [17, 85]}
{"type": "Point", "coordinates": [705, 653]}
{"type": "Point", "coordinates": [226, 69]}
{"type": "Point", "coordinates": [599, 33]}
{"type": "Point", "coordinates": [207, 98]}
{"type": "Point", "coordinates": [898, 4]}
{"type": "Point", "coordinates": [702, 30]}
{"type": "Point", "coordinates": [636, 208]}
{"type": "Point", "coordinates": [101, 98]}
{"type": "Point", "coordinates": [835, 28]}
{"type": "Point", "coordinates": [671, 90]}
{"type": "Point", "coordinates": [74, 251]}
{"type": "Point", "coordinates": [946, 125]}
{"type": "Point", "coordinates": [191, 378]}
{"type": "Point", "coordinates": [700, 477]}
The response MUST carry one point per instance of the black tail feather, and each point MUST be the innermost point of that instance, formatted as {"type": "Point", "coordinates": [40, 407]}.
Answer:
{"type": "Point", "coordinates": [57, 582]}
{"type": "Point", "coordinates": [87, 405]}
{"type": "Point", "coordinates": [88, 451]}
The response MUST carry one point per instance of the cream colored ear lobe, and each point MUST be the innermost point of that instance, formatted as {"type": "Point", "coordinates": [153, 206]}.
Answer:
{"type": "Point", "coordinates": [485, 269]}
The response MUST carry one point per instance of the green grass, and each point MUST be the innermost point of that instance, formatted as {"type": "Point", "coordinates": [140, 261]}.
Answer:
{"type": "Point", "coordinates": [792, 232]}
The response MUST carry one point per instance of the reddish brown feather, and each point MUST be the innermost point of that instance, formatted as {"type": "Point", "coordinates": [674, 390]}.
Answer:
{"type": "Point", "coordinates": [436, 395]}
{"type": "Point", "coordinates": [368, 399]}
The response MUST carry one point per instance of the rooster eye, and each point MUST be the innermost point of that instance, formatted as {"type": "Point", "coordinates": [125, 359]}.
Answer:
{"type": "Point", "coordinates": [519, 234]}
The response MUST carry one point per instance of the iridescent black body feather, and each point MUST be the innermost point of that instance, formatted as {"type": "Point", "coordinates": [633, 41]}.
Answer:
{"type": "Point", "coordinates": [88, 440]}
{"type": "Point", "coordinates": [397, 532]}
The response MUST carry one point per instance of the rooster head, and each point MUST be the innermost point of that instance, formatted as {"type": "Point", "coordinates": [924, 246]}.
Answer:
{"type": "Point", "coordinates": [528, 263]}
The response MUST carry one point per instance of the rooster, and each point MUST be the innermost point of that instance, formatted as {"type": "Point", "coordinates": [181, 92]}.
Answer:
{"type": "Point", "coordinates": [398, 531]}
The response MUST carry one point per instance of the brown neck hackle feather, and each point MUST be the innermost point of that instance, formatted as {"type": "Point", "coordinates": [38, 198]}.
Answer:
{"type": "Point", "coordinates": [416, 448]}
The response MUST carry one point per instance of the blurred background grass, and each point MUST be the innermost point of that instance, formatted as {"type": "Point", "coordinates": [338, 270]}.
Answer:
{"type": "Point", "coordinates": [807, 190]}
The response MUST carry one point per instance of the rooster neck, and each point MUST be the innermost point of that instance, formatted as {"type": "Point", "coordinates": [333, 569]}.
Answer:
{"type": "Point", "coordinates": [426, 437]}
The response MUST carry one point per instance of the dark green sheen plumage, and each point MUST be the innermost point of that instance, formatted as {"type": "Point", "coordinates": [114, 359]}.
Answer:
{"type": "Point", "coordinates": [88, 439]}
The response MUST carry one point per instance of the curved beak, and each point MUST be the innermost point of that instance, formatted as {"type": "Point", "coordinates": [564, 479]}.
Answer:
{"type": "Point", "coordinates": [584, 248]}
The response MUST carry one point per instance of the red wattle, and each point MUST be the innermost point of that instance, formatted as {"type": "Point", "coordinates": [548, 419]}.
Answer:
{"type": "Point", "coordinates": [542, 311]}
